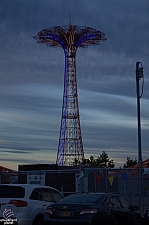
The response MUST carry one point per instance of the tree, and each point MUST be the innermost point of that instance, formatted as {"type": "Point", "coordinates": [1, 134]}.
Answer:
{"type": "Point", "coordinates": [89, 162]}
{"type": "Point", "coordinates": [130, 162]}
{"type": "Point", "coordinates": [102, 161]}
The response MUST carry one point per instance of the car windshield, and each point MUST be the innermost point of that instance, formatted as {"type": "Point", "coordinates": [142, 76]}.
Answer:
{"type": "Point", "coordinates": [7, 191]}
{"type": "Point", "coordinates": [85, 198]}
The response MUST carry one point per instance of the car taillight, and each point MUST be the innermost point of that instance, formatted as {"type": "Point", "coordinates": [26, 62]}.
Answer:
{"type": "Point", "coordinates": [49, 211]}
{"type": "Point", "coordinates": [18, 203]}
{"type": "Point", "coordinates": [88, 211]}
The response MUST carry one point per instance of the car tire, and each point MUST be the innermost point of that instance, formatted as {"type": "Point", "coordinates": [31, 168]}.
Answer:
{"type": "Point", "coordinates": [38, 220]}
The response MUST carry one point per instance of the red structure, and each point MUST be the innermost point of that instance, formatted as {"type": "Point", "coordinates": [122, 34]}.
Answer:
{"type": "Point", "coordinates": [70, 38]}
{"type": "Point", "coordinates": [144, 164]}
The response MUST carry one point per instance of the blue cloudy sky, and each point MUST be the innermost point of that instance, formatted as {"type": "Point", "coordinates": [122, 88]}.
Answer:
{"type": "Point", "coordinates": [31, 79]}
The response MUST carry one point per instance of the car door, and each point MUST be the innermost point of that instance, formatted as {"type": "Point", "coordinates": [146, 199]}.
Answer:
{"type": "Point", "coordinates": [41, 198]}
{"type": "Point", "coordinates": [46, 197]}
{"type": "Point", "coordinates": [116, 210]}
{"type": "Point", "coordinates": [132, 216]}
{"type": "Point", "coordinates": [35, 203]}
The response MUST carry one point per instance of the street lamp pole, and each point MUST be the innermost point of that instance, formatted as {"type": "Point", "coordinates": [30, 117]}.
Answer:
{"type": "Point", "coordinates": [139, 75]}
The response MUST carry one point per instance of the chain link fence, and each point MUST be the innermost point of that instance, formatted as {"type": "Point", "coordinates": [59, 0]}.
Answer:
{"type": "Point", "coordinates": [122, 181]}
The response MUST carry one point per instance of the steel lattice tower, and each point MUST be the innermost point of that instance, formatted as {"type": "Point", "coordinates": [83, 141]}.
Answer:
{"type": "Point", "coordinates": [70, 38]}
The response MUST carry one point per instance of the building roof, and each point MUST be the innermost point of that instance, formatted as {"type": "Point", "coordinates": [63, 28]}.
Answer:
{"type": "Point", "coordinates": [5, 169]}
{"type": "Point", "coordinates": [144, 164]}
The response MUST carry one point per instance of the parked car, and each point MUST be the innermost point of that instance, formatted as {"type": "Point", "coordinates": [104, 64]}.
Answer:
{"type": "Point", "coordinates": [25, 204]}
{"type": "Point", "coordinates": [92, 209]}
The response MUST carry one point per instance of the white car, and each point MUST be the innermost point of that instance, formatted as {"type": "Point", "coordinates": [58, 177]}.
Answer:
{"type": "Point", "coordinates": [25, 204]}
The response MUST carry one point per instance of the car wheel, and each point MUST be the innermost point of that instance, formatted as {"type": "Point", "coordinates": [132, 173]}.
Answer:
{"type": "Point", "coordinates": [38, 221]}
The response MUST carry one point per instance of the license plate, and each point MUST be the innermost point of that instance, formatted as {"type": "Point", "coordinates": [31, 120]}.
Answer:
{"type": "Point", "coordinates": [65, 213]}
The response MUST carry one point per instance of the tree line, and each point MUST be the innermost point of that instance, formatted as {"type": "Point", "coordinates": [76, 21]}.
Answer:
{"type": "Point", "coordinates": [103, 161]}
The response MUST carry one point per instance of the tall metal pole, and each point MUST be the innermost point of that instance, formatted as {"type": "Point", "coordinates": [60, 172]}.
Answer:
{"type": "Point", "coordinates": [139, 75]}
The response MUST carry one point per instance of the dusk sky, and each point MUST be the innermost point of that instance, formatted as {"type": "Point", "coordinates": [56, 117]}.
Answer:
{"type": "Point", "coordinates": [32, 75]}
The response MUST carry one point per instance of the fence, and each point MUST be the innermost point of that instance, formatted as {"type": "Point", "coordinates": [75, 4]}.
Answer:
{"type": "Point", "coordinates": [87, 179]}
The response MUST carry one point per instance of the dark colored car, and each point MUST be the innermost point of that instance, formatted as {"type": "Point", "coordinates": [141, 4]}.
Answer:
{"type": "Point", "coordinates": [92, 209]}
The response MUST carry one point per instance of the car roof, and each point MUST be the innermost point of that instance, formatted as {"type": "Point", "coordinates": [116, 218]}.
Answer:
{"type": "Point", "coordinates": [28, 186]}
{"type": "Point", "coordinates": [96, 193]}
{"type": "Point", "coordinates": [106, 194]}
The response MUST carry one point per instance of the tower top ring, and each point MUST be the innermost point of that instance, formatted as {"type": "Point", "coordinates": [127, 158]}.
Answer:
{"type": "Point", "coordinates": [70, 35]}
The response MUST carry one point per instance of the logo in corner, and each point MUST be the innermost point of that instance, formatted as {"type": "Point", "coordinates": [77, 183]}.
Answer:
{"type": "Point", "coordinates": [7, 214]}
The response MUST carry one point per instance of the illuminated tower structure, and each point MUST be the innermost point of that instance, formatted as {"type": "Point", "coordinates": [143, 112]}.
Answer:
{"type": "Point", "coordinates": [70, 38]}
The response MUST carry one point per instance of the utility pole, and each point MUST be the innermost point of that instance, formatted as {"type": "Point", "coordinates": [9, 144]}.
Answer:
{"type": "Point", "coordinates": [139, 76]}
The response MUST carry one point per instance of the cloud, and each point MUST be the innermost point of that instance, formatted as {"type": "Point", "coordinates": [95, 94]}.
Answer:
{"type": "Point", "coordinates": [32, 77]}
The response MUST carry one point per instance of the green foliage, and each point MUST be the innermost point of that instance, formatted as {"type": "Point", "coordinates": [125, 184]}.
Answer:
{"type": "Point", "coordinates": [130, 162]}
{"type": "Point", "coordinates": [102, 161]}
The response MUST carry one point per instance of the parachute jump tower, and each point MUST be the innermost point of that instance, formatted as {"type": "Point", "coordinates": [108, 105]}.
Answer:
{"type": "Point", "coordinates": [70, 38]}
